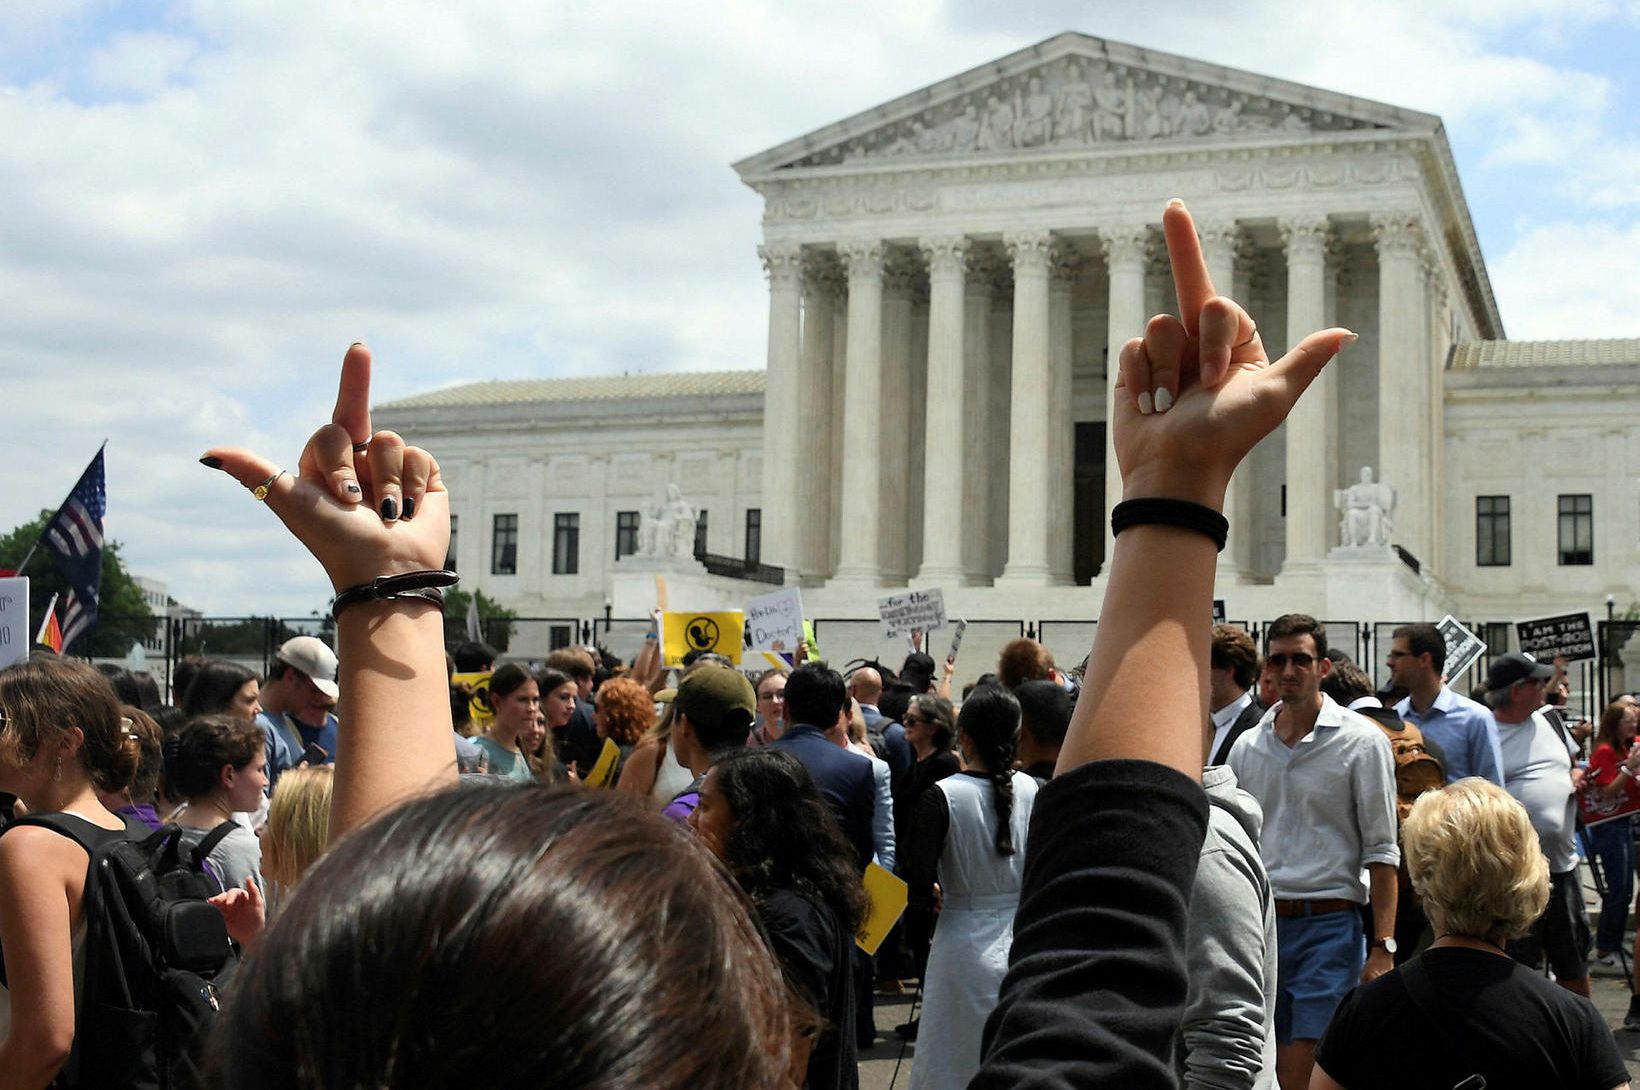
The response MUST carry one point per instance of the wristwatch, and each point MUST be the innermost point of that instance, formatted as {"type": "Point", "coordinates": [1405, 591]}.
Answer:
{"type": "Point", "coordinates": [1388, 945]}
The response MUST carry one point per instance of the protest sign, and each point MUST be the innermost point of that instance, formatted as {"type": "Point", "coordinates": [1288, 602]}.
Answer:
{"type": "Point", "coordinates": [603, 773]}
{"type": "Point", "coordinates": [956, 640]}
{"type": "Point", "coordinates": [1463, 647]}
{"type": "Point", "coordinates": [478, 701]}
{"type": "Point", "coordinates": [14, 633]}
{"type": "Point", "coordinates": [1548, 638]}
{"type": "Point", "coordinates": [775, 621]}
{"type": "Point", "coordinates": [1598, 811]}
{"type": "Point", "coordinates": [1219, 613]}
{"type": "Point", "coordinates": [916, 609]}
{"type": "Point", "coordinates": [887, 896]}
{"type": "Point", "coordinates": [722, 633]}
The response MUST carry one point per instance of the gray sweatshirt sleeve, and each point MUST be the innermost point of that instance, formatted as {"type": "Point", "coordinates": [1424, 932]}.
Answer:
{"type": "Point", "coordinates": [237, 857]}
{"type": "Point", "coordinates": [1224, 1027]}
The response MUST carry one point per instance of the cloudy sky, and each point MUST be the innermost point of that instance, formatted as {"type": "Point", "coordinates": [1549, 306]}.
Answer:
{"type": "Point", "coordinates": [203, 202]}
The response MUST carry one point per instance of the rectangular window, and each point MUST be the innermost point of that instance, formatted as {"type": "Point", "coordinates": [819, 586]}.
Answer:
{"type": "Point", "coordinates": [504, 546]}
{"type": "Point", "coordinates": [700, 533]}
{"type": "Point", "coordinates": [559, 635]}
{"type": "Point", "coordinates": [1492, 531]}
{"type": "Point", "coordinates": [1576, 529]}
{"type": "Point", "coordinates": [450, 557]}
{"type": "Point", "coordinates": [626, 533]}
{"type": "Point", "coordinates": [566, 543]}
{"type": "Point", "coordinates": [754, 535]}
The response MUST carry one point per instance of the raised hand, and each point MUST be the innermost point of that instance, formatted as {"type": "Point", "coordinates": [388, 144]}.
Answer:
{"type": "Point", "coordinates": [363, 503]}
{"type": "Point", "coordinates": [1199, 390]}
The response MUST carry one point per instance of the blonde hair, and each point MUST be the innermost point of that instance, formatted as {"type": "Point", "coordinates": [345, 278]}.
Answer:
{"type": "Point", "coordinates": [1474, 858]}
{"type": "Point", "coordinates": [298, 824]}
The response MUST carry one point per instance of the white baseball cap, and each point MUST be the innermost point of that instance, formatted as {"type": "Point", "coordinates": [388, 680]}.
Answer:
{"type": "Point", "coordinates": [310, 655]}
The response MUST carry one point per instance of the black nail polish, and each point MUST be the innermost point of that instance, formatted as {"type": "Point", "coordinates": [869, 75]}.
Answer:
{"type": "Point", "coordinates": [390, 509]}
{"type": "Point", "coordinates": [211, 463]}
{"type": "Point", "coordinates": [409, 506]}
{"type": "Point", "coordinates": [352, 488]}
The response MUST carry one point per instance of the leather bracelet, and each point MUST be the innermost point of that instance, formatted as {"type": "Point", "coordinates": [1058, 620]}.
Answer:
{"type": "Point", "coordinates": [1161, 511]}
{"type": "Point", "coordinates": [426, 585]}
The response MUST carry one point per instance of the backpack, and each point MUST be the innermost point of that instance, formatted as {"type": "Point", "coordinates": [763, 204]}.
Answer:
{"type": "Point", "coordinates": [157, 957]}
{"type": "Point", "coordinates": [1416, 769]}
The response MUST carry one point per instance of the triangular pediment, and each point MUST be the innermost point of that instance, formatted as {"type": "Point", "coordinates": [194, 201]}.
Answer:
{"type": "Point", "coordinates": [1075, 92]}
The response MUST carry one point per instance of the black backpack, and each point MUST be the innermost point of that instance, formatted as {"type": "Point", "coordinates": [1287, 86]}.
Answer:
{"type": "Point", "coordinates": [157, 958]}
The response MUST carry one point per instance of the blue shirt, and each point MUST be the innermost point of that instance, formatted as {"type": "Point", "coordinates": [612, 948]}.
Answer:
{"type": "Point", "coordinates": [1465, 730]}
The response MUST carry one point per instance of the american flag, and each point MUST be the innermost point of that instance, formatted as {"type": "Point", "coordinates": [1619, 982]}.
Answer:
{"type": "Point", "coordinates": [75, 535]}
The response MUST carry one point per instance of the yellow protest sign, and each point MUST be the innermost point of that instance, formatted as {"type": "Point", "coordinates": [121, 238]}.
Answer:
{"type": "Point", "coordinates": [603, 773]}
{"type": "Point", "coordinates": [888, 896]}
{"type": "Point", "coordinates": [478, 706]}
{"type": "Point", "coordinates": [682, 633]}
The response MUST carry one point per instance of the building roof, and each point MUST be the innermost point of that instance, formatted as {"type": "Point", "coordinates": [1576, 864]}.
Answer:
{"type": "Point", "coordinates": [1475, 355]}
{"type": "Point", "coordinates": [592, 388]}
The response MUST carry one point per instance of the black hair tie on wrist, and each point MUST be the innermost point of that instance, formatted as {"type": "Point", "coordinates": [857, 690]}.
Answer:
{"type": "Point", "coordinates": [1160, 511]}
{"type": "Point", "coordinates": [426, 585]}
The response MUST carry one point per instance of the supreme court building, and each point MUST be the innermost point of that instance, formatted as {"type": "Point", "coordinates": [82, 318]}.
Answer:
{"type": "Point", "coordinates": [949, 274]}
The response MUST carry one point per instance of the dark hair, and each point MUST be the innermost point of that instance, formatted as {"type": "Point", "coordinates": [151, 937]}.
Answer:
{"type": "Point", "coordinates": [150, 753]}
{"type": "Point", "coordinates": [43, 696]}
{"type": "Point", "coordinates": [1233, 650]}
{"type": "Point", "coordinates": [194, 756]}
{"type": "Point", "coordinates": [1610, 720]}
{"type": "Point", "coordinates": [1297, 624]}
{"type": "Point", "coordinates": [147, 690]}
{"type": "Point", "coordinates": [570, 900]}
{"type": "Point", "coordinates": [1044, 711]}
{"type": "Point", "coordinates": [213, 687]}
{"type": "Point", "coordinates": [784, 834]}
{"type": "Point", "coordinates": [507, 680]}
{"type": "Point", "coordinates": [472, 657]}
{"type": "Point", "coordinates": [990, 721]}
{"type": "Point", "coordinates": [895, 699]}
{"type": "Point", "coordinates": [1346, 683]}
{"type": "Point", "coordinates": [940, 715]}
{"type": "Point", "coordinates": [549, 679]}
{"type": "Point", "coordinates": [757, 682]}
{"type": "Point", "coordinates": [124, 682]}
{"type": "Point", "coordinates": [815, 695]}
{"type": "Point", "coordinates": [182, 676]}
{"type": "Point", "coordinates": [573, 662]}
{"type": "Point", "coordinates": [1424, 639]}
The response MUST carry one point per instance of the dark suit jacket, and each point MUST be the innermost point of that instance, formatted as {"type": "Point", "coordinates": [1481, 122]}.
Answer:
{"type": "Point", "coordinates": [1246, 721]}
{"type": "Point", "coordinates": [844, 779]}
{"type": "Point", "coordinates": [898, 755]}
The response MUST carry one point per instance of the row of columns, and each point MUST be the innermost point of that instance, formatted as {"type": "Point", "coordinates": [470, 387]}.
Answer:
{"type": "Point", "coordinates": [875, 342]}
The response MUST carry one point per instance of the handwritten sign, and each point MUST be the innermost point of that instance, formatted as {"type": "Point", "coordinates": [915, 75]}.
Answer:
{"type": "Point", "coordinates": [1463, 647]}
{"type": "Point", "coordinates": [887, 896]}
{"type": "Point", "coordinates": [916, 609]}
{"type": "Point", "coordinates": [721, 633]}
{"type": "Point", "coordinates": [774, 621]}
{"type": "Point", "coordinates": [14, 633]}
{"type": "Point", "coordinates": [1571, 635]}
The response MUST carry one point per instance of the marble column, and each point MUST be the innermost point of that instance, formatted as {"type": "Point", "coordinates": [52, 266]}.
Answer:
{"type": "Point", "coordinates": [1221, 245]}
{"type": "Point", "coordinates": [839, 371]}
{"type": "Point", "coordinates": [1403, 446]}
{"type": "Point", "coordinates": [976, 419]}
{"type": "Point", "coordinates": [862, 427]}
{"type": "Point", "coordinates": [1312, 425]}
{"type": "Point", "coordinates": [1061, 423]}
{"type": "Point", "coordinates": [1127, 250]}
{"type": "Point", "coordinates": [894, 406]}
{"type": "Point", "coordinates": [1029, 484]}
{"type": "Point", "coordinates": [814, 478]}
{"type": "Point", "coordinates": [781, 409]}
{"type": "Point", "coordinates": [944, 445]}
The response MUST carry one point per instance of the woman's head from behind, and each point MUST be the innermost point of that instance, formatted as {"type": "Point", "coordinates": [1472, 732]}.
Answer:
{"type": "Point", "coordinates": [584, 935]}
{"type": "Point", "coordinates": [298, 824]}
{"type": "Point", "coordinates": [1474, 859]}
{"type": "Point", "coordinates": [623, 710]}
{"type": "Point", "coordinates": [220, 687]}
{"type": "Point", "coordinates": [58, 714]}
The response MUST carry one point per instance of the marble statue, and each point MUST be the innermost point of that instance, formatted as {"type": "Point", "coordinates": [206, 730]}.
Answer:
{"type": "Point", "coordinates": [678, 518]}
{"type": "Point", "coordinates": [1365, 512]}
{"type": "Point", "coordinates": [649, 529]}
{"type": "Point", "coordinates": [1110, 113]}
{"type": "Point", "coordinates": [1074, 112]}
{"type": "Point", "coordinates": [1033, 121]}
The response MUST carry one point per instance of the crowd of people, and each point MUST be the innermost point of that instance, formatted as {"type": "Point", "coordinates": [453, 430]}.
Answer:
{"type": "Point", "coordinates": [1258, 871]}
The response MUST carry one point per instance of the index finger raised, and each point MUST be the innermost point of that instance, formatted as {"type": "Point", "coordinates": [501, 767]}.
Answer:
{"type": "Point", "coordinates": [353, 394]}
{"type": "Point", "coordinates": [1184, 252]}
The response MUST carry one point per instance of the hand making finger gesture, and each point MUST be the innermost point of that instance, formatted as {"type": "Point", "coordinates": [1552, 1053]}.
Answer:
{"type": "Point", "coordinates": [1198, 391]}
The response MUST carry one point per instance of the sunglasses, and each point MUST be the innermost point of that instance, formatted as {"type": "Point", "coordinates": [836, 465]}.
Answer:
{"type": "Point", "coordinates": [1298, 658]}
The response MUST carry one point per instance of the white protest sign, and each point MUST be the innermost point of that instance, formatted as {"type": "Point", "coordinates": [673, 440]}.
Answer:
{"type": "Point", "coordinates": [1463, 647]}
{"type": "Point", "coordinates": [14, 633]}
{"type": "Point", "coordinates": [916, 609]}
{"type": "Point", "coordinates": [775, 620]}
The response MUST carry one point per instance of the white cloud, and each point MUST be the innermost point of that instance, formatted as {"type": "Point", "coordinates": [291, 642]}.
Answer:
{"type": "Point", "coordinates": [140, 64]}
{"type": "Point", "coordinates": [1571, 279]}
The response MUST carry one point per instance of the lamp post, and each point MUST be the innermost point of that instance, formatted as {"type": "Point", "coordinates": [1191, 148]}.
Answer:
{"type": "Point", "coordinates": [1605, 652]}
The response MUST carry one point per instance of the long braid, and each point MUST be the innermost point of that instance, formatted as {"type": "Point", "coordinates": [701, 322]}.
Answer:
{"type": "Point", "coordinates": [990, 722]}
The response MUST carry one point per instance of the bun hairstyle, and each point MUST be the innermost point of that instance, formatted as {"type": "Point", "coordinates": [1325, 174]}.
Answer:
{"type": "Point", "coordinates": [194, 756]}
{"type": "Point", "coordinates": [990, 721]}
{"type": "Point", "coordinates": [150, 742]}
{"type": "Point", "coordinates": [47, 696]}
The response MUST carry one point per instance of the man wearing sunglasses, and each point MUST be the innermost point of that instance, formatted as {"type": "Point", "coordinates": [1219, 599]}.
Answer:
{"type": "Point", "coordinates": [1325, 779]}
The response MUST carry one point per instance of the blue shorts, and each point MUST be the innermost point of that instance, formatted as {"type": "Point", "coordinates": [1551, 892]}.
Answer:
{"type": "Point", "coordinates": [1320, 960]}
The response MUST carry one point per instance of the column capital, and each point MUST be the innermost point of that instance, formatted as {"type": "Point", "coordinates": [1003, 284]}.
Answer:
{"type": "Point", "coordinates": [783, 263]}
{"type": "Point", "coordinates": [822, 275]}
{"type": "Point", "coordinates": [902, 273]}
{"type": "Point", "coordinates": [1220, 239]}
{"type": "Point", "coordinates": [947, 255]}
{"type": "Point", "coordinates": [1064, 264]}
{"type": "Point", "coordinates": [862, 257]}
{"type": "Point", "coordinates": [1305, 238]}
{"type": "Point", "coordinates": [1125, 246]}
{"type": "Point", "coordinates": [982, 267]}
{"type": "Point", "coordinates": [1029, 250]}
{"type": "Point", "coordinates": [1397, 233]}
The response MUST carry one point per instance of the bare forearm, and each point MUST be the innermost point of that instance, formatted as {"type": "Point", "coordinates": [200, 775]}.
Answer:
{"type": "Point", "coordinates": [1383, 889]}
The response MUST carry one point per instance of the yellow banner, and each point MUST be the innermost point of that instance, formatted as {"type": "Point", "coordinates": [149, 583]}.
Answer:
{"type": "Point", "coordinates": [888, 896]}
{"type": "Point", "coordinates": [603, 773]}
{"type": "Point", "coordinates": [681, 633]}
{"type": "Point", "coordinates": [479, 704]}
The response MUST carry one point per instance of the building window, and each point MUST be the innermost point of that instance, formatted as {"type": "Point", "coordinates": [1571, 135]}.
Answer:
{"type": "Point", "coordinates": [450, 556]}
{"type": "Point", "coordinates": [700, 533]}
{"type": "Point", "coordinates": [559, 635]}
{"type": "Point", "coordinates": [504, 546]}
{"type": "Point", "coordinates": [626, 533]}
{"type": "Point", "coordinates": [1492, 531]}
{"type": "Point", "coordinates": [754, 535]}
{"type": "Point", "coordinates": [566, 543]}
{"type": "Point", "coordinates": [1577, 529]}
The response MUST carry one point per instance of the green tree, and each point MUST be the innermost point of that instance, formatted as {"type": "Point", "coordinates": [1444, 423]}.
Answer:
{"type": "Point", "coordinates": [123, 615]}
{"type": "Point", "coordinates": [495, 619]}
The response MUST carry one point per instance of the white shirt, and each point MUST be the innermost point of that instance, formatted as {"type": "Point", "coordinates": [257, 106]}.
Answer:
{"type": "Point", "coordinates": [1537, 770]}
{"type": "Point", "coordinates": [1226, 717]}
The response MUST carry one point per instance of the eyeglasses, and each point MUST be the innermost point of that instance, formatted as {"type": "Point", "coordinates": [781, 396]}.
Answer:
{"type": "Point", "coordinates": [1400, 654]}
{"type": "Point", "coordinates": [909, 720]}
{"type": "Point", "coordinates": [1299, 659]}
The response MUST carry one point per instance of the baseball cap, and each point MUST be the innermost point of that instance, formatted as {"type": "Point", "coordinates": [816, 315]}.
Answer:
{"type": "Point", "coordinates": [1515, 666]}
{"type": "Point", "coordinates": [310, 655]}
{"type": "Point", "coordinates": [715, 697]}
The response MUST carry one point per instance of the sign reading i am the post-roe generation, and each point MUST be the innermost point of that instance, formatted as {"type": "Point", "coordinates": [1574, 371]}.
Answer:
{"type": "Point", "coordinates": [1549, 638]}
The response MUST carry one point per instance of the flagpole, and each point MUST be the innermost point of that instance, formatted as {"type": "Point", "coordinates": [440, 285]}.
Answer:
{"type": "Point", "coordinates": [36, 546]}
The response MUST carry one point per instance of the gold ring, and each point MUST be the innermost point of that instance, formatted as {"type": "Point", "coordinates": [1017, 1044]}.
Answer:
{"type": "Point", "coordinates": [260, 492]}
